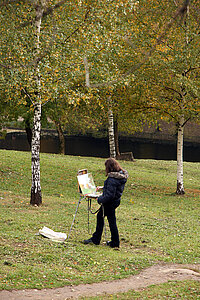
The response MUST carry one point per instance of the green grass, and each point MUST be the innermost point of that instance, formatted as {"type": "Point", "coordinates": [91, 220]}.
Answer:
{"type": "Point", "coordinates": [155, 225]}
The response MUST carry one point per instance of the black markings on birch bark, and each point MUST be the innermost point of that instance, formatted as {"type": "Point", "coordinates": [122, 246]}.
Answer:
{"type": "Point", "coordinates": [180, 187]}
{"type": "Point", "coordinates": [111, 131]}
{"type": "Point", "coordinates": [36, 195]}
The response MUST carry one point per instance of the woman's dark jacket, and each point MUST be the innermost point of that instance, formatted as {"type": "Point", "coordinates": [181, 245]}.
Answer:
{"type": "Point", "coordinates": [113, 188]}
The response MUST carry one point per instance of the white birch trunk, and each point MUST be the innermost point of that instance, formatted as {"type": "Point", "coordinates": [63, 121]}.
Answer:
{"type": "Point", "coordinates": [111, 134]}
{"type": "Point", "coordinates": [36, 195]}
{"type": "Point", "coordinates": [180, 187]}
{"type": "Point", "coordinates": [181, 123]}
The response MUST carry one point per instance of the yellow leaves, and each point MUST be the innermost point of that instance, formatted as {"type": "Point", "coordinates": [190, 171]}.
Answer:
{"type": "Point", "coordinates": [56, 73]}
{"type": "Point", "coordinates": [162, 48]}
{"type": "Point", "coordinates": [22, 102]}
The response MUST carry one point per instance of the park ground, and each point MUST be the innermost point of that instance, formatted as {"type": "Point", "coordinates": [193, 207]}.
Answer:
{"type": "Point", "coordinates": [129, 288]}
{"type": "Point", "coordinates": [159, 232]}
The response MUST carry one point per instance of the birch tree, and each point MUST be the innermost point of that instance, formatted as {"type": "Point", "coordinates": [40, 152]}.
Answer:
{"type": "Point", "coordinates": [31, 57]}
{"type": "Point", "coordinates": [169, 81]}
{"type": "Point", "coordinates": [36, 195]}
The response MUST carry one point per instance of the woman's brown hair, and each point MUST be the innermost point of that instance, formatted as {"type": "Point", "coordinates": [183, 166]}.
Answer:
{"type": "Point", "coordinates": [112, 166]}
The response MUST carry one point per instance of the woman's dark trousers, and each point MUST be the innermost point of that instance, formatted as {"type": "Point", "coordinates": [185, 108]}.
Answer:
{"type": "Point", "coordinates": [109, 212]}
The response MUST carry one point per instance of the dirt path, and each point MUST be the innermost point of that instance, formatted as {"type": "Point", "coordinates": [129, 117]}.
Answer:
{"type": "Point", "coordinates": [154, 275]}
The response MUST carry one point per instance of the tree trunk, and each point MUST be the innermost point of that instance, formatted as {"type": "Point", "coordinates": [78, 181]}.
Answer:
{"type": "Point", "coordinates": [116, 133]}
{"type": "Point", "coordinates": [36, 195]}
{"type": "Point", "coordinates": [28, 131]}
{"type": "Point", "coordinates": [111, 131]}
{"type": "Point", "coordinates": [180, 187]}
{"type": "Point", "coordinates": [61, 138]}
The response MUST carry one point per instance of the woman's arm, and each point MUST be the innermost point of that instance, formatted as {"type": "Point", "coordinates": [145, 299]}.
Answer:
{"type": "Point", "coordinates": [109, 192]}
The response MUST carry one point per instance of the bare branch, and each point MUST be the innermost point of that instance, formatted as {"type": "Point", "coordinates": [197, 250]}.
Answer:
{"type": "Point", "coordinates": [77, 29]}
{"type": "Point", "coordinates": [187, 121]}
{"type": "Point", "coordinates": [25, 92]}
{"type": "Point", "coordinates": [46, 102]}
{"type": "Point", "coordinates": [173, 90]}
{"type": "Point", "coordinates": [190, 70]}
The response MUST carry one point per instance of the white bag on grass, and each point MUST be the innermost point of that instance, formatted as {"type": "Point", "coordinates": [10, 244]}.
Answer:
{"type": "Point", "coordinates": [54, 236]}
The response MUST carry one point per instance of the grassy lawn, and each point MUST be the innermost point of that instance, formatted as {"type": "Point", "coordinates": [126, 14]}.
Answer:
{"type": "Point", "coordinates": [155, 225]}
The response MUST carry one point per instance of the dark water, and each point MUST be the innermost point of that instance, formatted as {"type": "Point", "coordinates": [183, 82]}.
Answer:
{"type": "Point", "coordinates": [99, 147]}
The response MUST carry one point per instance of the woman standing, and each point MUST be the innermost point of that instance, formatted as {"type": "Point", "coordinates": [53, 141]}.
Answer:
{"type": "Point", "coordinates": [110, 200]}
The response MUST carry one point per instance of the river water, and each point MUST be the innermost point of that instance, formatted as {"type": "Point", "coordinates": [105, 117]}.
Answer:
{"type": "Point", "coordinates": [99, 147]}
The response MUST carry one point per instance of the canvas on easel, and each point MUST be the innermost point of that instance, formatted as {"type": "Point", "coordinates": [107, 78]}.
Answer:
{"type": "Point", "coordinates": [87, 186]}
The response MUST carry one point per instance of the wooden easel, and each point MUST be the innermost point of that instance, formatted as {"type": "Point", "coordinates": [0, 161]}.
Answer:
{"type": "Point", "coordinates": [82, 172]}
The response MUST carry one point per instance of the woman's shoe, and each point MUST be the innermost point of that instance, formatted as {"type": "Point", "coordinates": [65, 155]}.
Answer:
{"type": "Point", "coordinates": [89, 241]}
{"type": "Point", "coordinates": [110, 244]}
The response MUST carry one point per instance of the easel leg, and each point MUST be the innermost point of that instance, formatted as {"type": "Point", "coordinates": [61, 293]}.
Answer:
{"type": "Point", "coordinates": [74, 217]}
{"type": "Point", "coordinates": [88, 215]}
